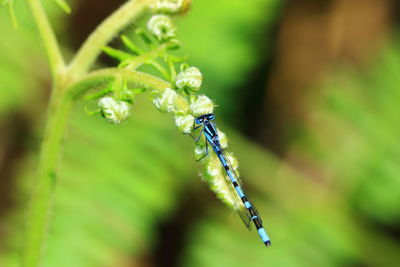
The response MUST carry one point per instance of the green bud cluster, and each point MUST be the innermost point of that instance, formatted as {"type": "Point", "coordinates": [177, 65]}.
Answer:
{"type": "Point", "coordinates": [181, 99]}
{"type": "Point", "coordinates": [184, 123]}
{"type": "Point", "coordinates": [170, 101]}
{"type": "Point", "coordinates": [160, 24]}
{"type": "Point", "coordinates": [162, 28]}
{"type": "Point", "coordinates": [185, 108]}
{"type": "Point", "coordinates": [115, 111]}
{"type": "Point", "coordinates": [171, 7]}
{"type": "Point", "coordinates": [200, 105]}
{"type": "Point", "coordinates": [189, 80]}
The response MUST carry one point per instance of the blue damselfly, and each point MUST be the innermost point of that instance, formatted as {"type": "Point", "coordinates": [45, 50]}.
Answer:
{"type": "Point", "coordinates": [241, 203]}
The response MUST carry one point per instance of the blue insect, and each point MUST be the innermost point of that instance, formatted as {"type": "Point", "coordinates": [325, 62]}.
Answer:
{"type": "Point", "coordinates": [242, 204]}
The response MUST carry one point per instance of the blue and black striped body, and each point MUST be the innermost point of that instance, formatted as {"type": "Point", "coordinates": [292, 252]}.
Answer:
{"type": "Point", "coordinates": [248, 209]}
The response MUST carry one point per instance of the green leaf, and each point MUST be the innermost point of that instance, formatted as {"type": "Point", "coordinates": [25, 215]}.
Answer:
{"type": "Point", "coordinates": [130, 45]}
{"type": "Point", "coordinates": [117, 54]}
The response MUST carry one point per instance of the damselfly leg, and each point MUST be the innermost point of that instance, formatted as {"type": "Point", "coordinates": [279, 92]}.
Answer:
{"type": "Point", "coordinates": [198, 139]}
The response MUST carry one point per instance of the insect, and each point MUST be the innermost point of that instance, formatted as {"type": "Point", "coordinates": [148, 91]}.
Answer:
{"type": "Point", "coordinates": [242, 204]}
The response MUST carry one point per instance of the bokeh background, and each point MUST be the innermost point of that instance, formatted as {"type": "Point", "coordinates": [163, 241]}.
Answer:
{"type": "Point", "coordinates": [308, 92]}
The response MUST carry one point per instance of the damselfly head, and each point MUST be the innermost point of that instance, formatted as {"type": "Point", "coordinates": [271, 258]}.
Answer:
{"type": "Point", "coordinates": [203, 118]}
{"type": "Point", "coordinates": [210, 117]}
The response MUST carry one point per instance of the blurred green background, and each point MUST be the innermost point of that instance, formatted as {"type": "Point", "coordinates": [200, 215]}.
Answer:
{"type": "Point", "coordinates": [308, 92]}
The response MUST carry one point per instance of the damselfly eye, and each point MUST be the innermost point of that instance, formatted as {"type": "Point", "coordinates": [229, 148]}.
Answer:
{"type": "Point", "coordinates": [210, 117]}
{"type": "Point", "coordinates": [199, 120]}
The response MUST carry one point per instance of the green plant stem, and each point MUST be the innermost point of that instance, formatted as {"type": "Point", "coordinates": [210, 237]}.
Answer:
{"type": "Point", "coordinates": [104, 76]}
{"type": "Point", "coordinates": [41, 202]}
{"type": "Point", "coordinates": [56, 60]}
{"type": "Point", "coordinates": [138, 61]}
{"type": "Point", "coordinates": [104, 33]}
